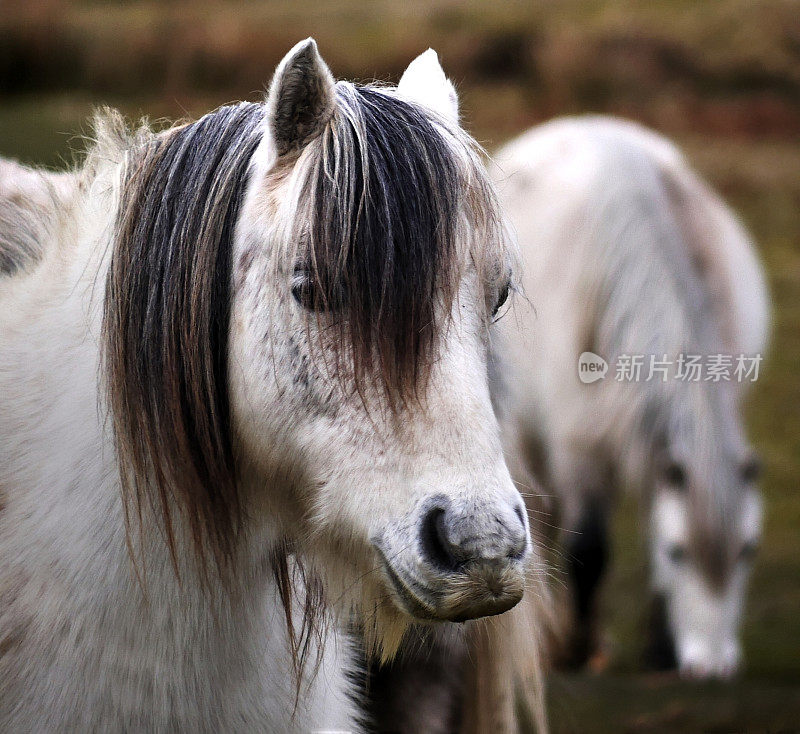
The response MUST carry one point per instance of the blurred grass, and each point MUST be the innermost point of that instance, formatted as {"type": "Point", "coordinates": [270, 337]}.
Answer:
{"type": "Point", "coordinates": [722, 78]}
{"type": "Point", "coordinates": [722, 65]}
{"type": "Point", "coordinates": [615, 704]}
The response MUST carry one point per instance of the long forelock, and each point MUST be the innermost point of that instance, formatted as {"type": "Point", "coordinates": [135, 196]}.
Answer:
{"type": "Point", "coordinates": [385, 209]}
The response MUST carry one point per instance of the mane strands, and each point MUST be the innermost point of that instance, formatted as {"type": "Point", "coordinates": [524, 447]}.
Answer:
{"type": "Point", "coordinates": [390, 203]}
{"type": "Point", "coordinates": [166, 321]}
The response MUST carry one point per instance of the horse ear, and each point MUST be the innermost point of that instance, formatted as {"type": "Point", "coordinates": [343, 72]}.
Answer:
{"type": "Point", "coordinates": [425, 83]}
{"type": "Point", "coordinates": [300, 100]}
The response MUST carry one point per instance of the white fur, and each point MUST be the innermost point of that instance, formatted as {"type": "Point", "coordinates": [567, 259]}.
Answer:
{"type": "Point", "coordinates": [704, 620]}
{"type": "Point", "coordinates": [86, 652]}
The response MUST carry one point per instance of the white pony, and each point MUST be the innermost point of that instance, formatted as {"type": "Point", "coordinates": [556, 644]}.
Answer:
{"type": "Point", "coordinates": [629, 258]}
{"type": "Point", "coordinates": [243, 372]}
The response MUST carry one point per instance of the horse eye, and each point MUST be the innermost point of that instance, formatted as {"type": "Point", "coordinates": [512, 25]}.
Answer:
{"type": "Point", "coordinates": [748, 552]}
{"type": "Point", "coordinates": [502, 297]}
{"type": "Point", "coordinates": [675, 475]}
{"type": "Point", "coordinates": [677, 553]}
{"type": "Point", "coordinates": [751, 470]}
{"type": "Point", "coordinates": [309, 293]}
{"type": "Point", "coordinates": [304, 288]}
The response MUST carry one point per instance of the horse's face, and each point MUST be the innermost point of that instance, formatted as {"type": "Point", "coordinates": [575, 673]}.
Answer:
{"type": "Point", "coordinates": [388, 473]}
{"type": "Point", "coordinates": [700, 570]}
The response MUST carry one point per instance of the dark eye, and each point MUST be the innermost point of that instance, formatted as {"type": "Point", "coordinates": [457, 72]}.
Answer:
{"type": "Point", "coordinates": [675, 475]}
{"type": "Point", "coordinates": [309, 293]}
{"type": "Point", "coordinates": [748, 552]}
{"type": "Point", "coordinates": [304, 288]}
{"type": "Point", "coordinates": [502, 297]}
{"type": "Point", "coordinates": [677, 553]}
{"type": "Point", "coordinates": [751, 470]}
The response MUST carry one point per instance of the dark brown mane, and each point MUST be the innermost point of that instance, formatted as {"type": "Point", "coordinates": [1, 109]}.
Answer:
{"type": "Point", "coordinates": [166, 326]}
{"type": "Point", "coordinates": [390, 200]}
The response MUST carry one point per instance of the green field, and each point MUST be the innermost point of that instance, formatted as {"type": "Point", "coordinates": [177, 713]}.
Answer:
{"type": "Point", "coordinates": [727, 88]}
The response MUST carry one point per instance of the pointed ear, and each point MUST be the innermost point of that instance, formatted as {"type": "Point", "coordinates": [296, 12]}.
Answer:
{"type": "Point", "coordinates": [424, 82]}
{"type": "Point", "coordinates": [300, 100]}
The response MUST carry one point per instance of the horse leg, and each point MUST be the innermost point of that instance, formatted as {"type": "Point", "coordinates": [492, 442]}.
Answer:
{"type": "Point", "coordinates": [659, 652]}
{"type": "Point", "coordinates": [587, 553]}
{"type": "Point", "coordinates": [585, 502]}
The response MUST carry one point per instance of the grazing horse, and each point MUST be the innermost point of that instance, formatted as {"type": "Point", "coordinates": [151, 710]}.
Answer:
{"type": "Point", "coordinates": [629, 258]}
{"type": "Point", "coordinates": [243, 369]}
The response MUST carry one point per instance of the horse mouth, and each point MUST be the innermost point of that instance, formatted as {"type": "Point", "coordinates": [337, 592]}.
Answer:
{"type": "Point", "coordinates": [411, 602]}
{"type": "Point", "coordinates": [477, 591]}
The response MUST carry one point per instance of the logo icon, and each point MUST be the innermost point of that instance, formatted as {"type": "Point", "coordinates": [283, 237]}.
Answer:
{"type": "Point", "coordinates": [591, 368]}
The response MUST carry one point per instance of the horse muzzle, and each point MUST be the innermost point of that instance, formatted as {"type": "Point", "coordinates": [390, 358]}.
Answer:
{"type": "Point", "coordinates": [453, 563]}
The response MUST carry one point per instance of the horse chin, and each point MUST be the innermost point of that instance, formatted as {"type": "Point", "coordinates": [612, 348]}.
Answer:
{"type": "Point", "coordinates": [387, 611]}
{"type": "Point", "coordinates": [477, 591]}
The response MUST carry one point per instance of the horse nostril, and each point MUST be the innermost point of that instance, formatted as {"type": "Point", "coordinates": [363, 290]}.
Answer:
{"type": "Point", "coordinates": [435, 544]}
{"type": "Point", "coordinates": [518, 542]}
{"type": "Point", "coordinates": [450, 540]}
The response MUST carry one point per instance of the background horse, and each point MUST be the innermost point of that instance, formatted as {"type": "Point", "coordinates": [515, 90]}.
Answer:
{"type": "Point", "coordinates": [626, 252]}
{"type": "Point", "coordinates": [243, 372]}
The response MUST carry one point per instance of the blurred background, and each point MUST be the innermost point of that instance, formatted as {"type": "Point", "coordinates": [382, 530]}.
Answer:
{"type": "Point", "coordinates": [721, 77]}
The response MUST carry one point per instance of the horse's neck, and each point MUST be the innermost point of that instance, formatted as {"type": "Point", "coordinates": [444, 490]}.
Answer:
{"type": "Point", "coordinates": [67, 586]}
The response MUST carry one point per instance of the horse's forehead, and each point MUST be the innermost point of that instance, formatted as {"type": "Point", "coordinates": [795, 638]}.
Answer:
{"type": "Point", "coordinates": [269, 189]}
{"type": "Point", "coordinates": [276, 197]}
{"type": "Point", "coordinates": [680, 518]}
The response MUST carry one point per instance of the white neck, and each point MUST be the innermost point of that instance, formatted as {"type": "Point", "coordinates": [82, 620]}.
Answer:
{"type": "Point", "coordinates": [81, 648]}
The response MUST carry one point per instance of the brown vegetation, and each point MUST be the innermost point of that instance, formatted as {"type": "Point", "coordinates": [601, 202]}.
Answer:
{"type": "Point", "coordinates": [724, 67]}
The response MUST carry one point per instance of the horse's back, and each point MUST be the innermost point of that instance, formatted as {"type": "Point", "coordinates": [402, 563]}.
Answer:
{"type": "Point", "coordinates": [625, 250]}
{"type": "Point", "coordinates": [720, 248]}
{"type": "Point", "coordinates": [30, 200]}
{"type": "Point", "coordinates": [559, 179]}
